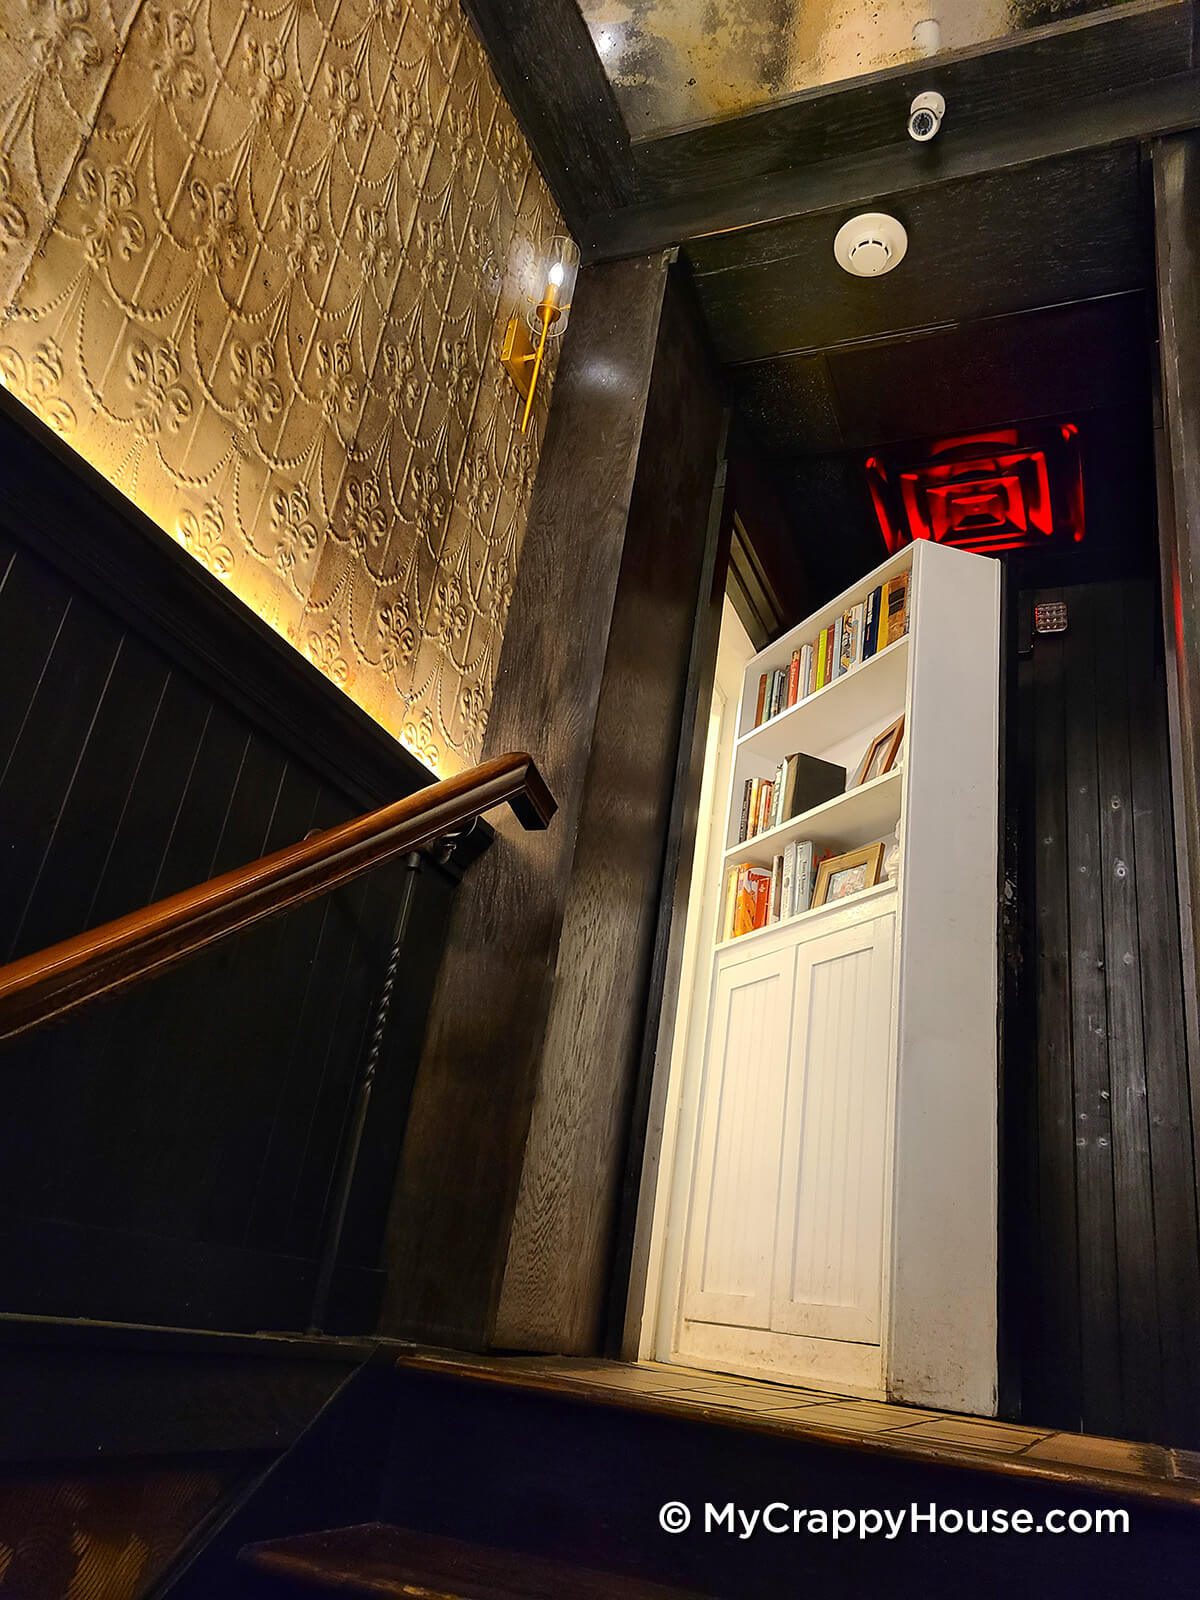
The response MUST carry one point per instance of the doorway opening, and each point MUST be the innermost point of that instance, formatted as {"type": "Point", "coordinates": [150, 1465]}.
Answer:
{"type": "Point", "coordinates": [1027, 440]}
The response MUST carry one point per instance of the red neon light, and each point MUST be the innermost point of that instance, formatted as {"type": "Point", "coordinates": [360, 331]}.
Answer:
{"type": "Point", "coordinates": [1005, 489]}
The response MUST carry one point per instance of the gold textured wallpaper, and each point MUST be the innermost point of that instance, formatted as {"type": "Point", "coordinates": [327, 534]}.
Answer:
{"type": "Point", "coordinates": [255, 261]}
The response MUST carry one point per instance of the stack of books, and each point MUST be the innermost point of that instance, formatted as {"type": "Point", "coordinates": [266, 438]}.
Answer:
{"type": "Point", "coordinates": [860, 633]}
{"type": "Point", "coordinates": [756, 896]}
{"type": "Point", "coordinates": [799, 783]}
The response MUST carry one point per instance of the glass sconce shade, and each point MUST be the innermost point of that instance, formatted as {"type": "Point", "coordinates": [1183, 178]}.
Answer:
{"type": "Point", "coordinates": [554, 286]}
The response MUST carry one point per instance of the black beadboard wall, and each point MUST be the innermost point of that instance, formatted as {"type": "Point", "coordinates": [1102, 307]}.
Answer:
{"type": "Point", "coordinates": [1102, 1240]}
{"type": "Point", "coordinates": [166, 1157]}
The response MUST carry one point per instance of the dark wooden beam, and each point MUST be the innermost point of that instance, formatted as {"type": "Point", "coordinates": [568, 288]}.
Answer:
{"type": "Point", "coordinates": [470, 1116]}
{"type": "Point", "coordinates": [557, 1274]}
{"type": "Point", "coordinates": [722, 212]}
{"type": "Point", "coordinates": [1021, 76]}
{"type": "Point", "coordinates": [1059, 231]}
{"type": "Point", "coordinates": [1177, 235]}
{"type": "Point", "coordinates": [547, 66]}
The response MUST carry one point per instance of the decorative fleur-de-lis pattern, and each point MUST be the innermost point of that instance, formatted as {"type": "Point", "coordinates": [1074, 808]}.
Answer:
{"type": "Point", "coordinates": [255, 263]}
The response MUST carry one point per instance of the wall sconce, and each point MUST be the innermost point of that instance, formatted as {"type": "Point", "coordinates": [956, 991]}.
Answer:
{"type": "Point", "coordinates": [525, 338]}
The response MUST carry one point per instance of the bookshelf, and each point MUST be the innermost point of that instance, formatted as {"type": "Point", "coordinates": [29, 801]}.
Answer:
{"type": "Point", "coordinates": [821, 720]}
{"type": "Point", "coordinates": [840, 1222]}
{"type": "Point", "coordinates": [856, 817]}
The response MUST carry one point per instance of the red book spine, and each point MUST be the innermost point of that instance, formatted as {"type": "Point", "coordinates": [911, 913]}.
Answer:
{"type": "Point", "coordinates": [762, 699]}
{"type": "Point", "coordinates": [793, 688]}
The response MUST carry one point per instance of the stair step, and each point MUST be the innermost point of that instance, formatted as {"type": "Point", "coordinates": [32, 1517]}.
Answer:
{"type": "Point", "coordinates": [376, 1559]}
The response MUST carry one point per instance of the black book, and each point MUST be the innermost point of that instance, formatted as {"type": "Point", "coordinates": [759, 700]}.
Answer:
{"type": "Point", "coordinates": [815, 782]}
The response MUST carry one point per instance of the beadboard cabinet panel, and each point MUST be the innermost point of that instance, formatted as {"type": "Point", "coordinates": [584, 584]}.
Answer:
{"type": "Point", "coordinates": [829, 1249]}
{"type": "Point", "coordinates": [737, 1174]}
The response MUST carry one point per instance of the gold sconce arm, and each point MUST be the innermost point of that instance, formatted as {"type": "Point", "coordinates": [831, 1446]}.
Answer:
{"type": "Point", "coordinates": [522, 359]}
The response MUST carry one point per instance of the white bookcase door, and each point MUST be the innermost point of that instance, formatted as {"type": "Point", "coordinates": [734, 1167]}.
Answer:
{"type": "Point", "coordinates": [735, 1187]}
{"type": "Point", "coordinates": [829, 1241]}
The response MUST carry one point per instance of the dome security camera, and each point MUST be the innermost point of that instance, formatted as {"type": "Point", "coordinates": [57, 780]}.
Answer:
{"type": "Point", "coordinates": [925, 116]}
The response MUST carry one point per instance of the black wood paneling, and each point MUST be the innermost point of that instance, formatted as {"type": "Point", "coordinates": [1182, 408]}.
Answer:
{"type": "Point", "coordinates": [1107, 1277]}
{"type": "Point", "coordinates": [1055, 362]}
{"type": "Point", "coordinates": [981, 246]}
{"type": "Point", "coordinates": [167, 1156]}
{"type": "Point", "coordinates": [1177, 236]}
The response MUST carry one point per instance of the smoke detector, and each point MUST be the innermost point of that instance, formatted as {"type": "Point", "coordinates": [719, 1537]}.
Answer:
{"type": "Point", "coordinates": [870, 244]}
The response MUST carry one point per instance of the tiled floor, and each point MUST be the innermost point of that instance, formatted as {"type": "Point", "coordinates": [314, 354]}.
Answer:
{"type": "Point", "coordinates": [1139, 1470]}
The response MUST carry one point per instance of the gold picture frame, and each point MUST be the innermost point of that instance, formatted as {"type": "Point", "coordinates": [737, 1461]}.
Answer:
{"type": "Point", "coordinates": [842, 876]}
{"type": "Point", "coordinates": [881, 753]}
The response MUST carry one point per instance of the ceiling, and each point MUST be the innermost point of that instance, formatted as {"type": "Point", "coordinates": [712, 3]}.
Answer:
{"type": "Point", "coordinates": [675, 63]}
{"type": "Point", "coordinates": [1051, 231]}
{"type": "Point", "coordinates": [1032, 197]}
{"type": "Point", "coordinates": [1023, 294]}
{"type": "Point", "coordinates": [815, 417]}
{"type": "Point", "coordinates": [1049, 77]}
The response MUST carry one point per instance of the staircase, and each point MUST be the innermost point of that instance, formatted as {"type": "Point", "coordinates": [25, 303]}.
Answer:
{"type": "Point", "coordinates": [376, 1559]}
{"type": "Point", "coordinates": [467, 1478]}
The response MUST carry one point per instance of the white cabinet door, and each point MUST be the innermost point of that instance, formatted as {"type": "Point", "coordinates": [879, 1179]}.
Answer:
{"type": "Point", "coordinates": [829, 1240]}
{"type": "Point", "coordinates": [735, 1184]}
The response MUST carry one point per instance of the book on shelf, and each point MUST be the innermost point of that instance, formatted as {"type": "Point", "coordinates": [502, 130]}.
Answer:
{"type": "Point", "coordinates": [778, 690]}
{"type": "Point", "coordinates": [893, 611]}
{"type": "Point", "coordinates": [773, 901]}
{"type": "Point", "coordinates": [799, 783]}
{"type": "Point", "coordinates": [788, 878]}
{"type": "Point", "coordinates": [852, 633]}
{"type": "Point", "coordinates": [871, 622]}
{"type": "Point", "coordinates": [758, 897]}
{"type": "Point", "coordinates": [766, 800]}
{"type": "Point", "coordinates": [806, 671]}
{"type": "Point", "coordinates": [750, 807]}
{"type": "Point", "coordinates": [862, 631]}
{"type": "Point", "coordinates": [747, 900]}
{"type": "Point", "coordinates": [804, 875]}
{"type": "Point", "coordinates": [793, 688]}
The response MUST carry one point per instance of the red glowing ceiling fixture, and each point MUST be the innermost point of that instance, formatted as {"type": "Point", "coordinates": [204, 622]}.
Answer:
{"type": "Point", "coordinates": [1006, 489]}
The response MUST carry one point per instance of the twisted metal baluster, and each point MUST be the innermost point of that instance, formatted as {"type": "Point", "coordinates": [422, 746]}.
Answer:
{"type": "Point", "coordinates": [348, 1164]}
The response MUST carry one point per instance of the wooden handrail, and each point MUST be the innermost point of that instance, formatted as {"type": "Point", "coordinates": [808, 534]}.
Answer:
{"type": "Point", "coordinates": [56, 980]}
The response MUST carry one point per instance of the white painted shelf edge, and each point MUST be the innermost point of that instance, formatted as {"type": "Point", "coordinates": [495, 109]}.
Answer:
{"type": "Point", "coordinates": [820, 696]}
{"type": "Point", "coordinates": [814, 913]}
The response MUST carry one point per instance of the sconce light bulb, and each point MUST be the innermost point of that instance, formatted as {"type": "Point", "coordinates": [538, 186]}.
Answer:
{"type": "Point", "coordinates": [556, 274]}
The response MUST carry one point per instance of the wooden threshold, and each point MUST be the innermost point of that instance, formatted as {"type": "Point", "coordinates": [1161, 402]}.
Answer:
{"type": "Point", "coordinates": [377, 1559]}
{"type": "Point", "coordinates": [1145, 1472]}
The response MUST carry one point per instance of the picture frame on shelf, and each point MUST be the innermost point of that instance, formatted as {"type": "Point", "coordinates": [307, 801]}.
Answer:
{"type": "Point", "coordinates": [881, 754]}
{"type": "Point", "coordinates": [839, 877]}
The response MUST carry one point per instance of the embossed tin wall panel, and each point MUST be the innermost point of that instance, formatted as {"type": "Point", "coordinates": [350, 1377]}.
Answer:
{"type": "Point", "coordinates": [255, 265]}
